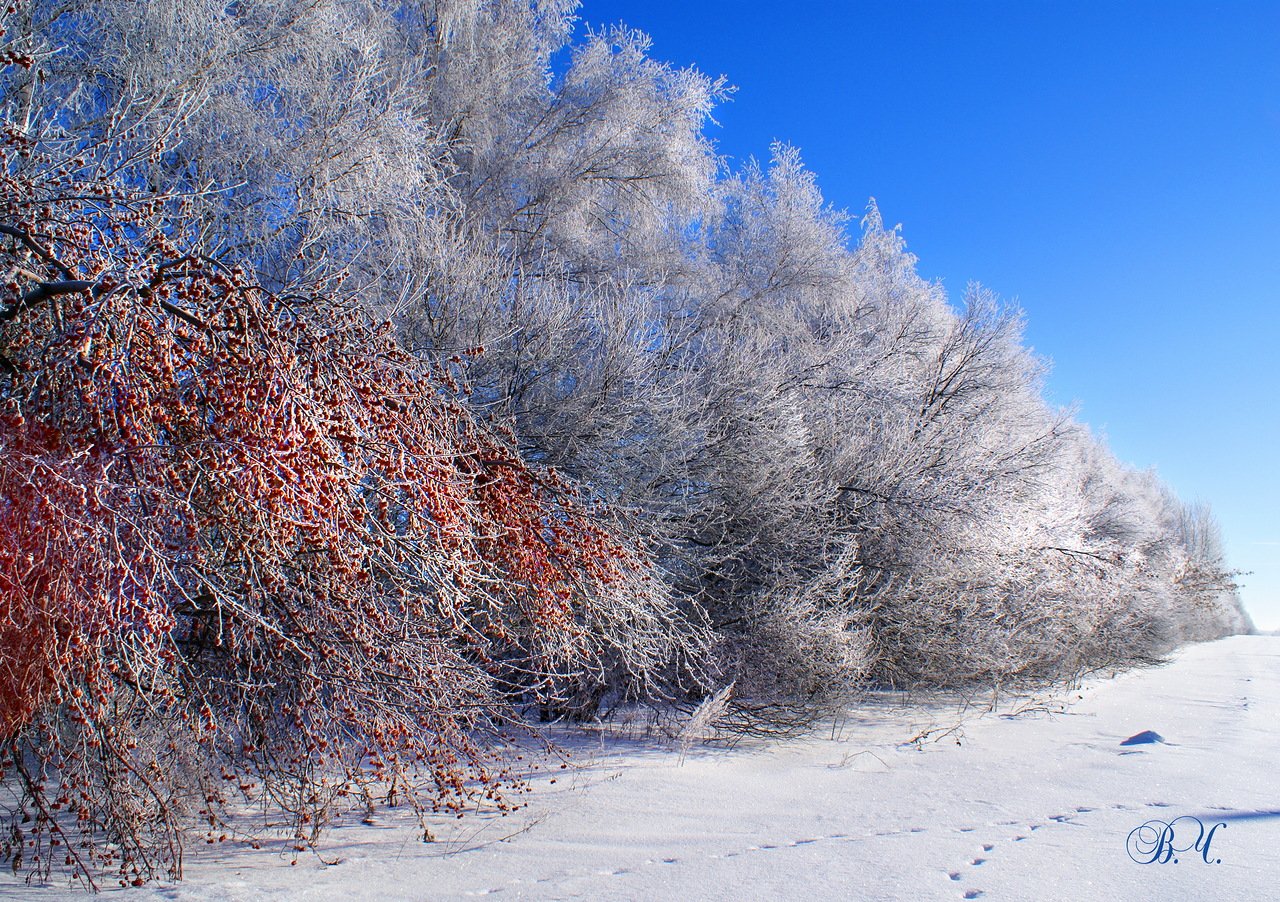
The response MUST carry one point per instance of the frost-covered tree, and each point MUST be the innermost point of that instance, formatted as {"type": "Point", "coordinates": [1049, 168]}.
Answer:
{"type": "Point", "coordinates": [849, 477]}
{"type": "Point", "coordinates": [250, 547]}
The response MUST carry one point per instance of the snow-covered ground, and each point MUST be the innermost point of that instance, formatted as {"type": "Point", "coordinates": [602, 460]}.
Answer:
{"type": "Point", "coordinates": [1036, 805]}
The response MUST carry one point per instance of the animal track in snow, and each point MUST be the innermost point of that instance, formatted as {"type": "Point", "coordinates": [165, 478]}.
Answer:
{"type": "Point", "coordinates": [1021, 831]}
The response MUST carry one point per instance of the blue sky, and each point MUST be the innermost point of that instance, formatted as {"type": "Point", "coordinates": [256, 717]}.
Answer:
{"type": "Point", "coordinates": [1114, 168]}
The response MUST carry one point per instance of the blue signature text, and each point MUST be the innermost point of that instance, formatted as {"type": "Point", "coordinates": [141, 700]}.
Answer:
{"type": "Point", "coordinates": [1161, 842]}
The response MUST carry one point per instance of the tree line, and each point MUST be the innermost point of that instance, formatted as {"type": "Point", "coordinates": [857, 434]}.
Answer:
{"type": "Point", "coordinates": [376, 377]}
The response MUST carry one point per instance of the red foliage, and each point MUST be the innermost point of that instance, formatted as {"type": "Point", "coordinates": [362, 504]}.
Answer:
{"type": "Point", "coordinates": [246, 542]}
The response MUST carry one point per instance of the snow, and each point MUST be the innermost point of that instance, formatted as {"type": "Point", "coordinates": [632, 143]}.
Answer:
{"type": "Point", "coordinates": [1037, 804]}
{"type": "Point", "coordinates": [1146, 737]}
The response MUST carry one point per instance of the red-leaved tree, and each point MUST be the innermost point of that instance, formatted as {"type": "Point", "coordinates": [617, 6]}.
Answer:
{"type": "Point", "coordinates": [251, 549]}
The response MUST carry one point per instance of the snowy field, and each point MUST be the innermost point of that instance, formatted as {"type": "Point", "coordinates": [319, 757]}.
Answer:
{"type": "Point", "coordinates": [1031, 805]}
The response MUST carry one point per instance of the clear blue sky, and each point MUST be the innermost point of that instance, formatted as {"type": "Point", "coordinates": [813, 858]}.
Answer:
{"type": "Point", "coordinates": [1113, 167]}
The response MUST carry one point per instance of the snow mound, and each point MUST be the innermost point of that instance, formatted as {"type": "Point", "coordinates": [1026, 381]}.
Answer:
{"type": "Point", "coordinates": [1146, 737]}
